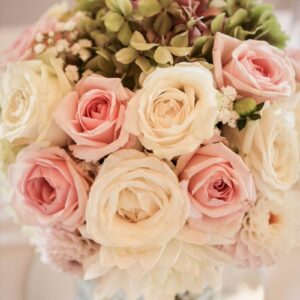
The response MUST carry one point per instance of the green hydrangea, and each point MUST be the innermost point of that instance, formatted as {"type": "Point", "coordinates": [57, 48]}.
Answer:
{"type": "Point", "coordinates": [135, 36]}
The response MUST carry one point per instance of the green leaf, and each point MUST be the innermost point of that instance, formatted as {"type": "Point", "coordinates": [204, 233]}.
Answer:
{"type": "Point", "coordinates": [143, 63]}
{"type": "Point", "coordinates": [255, 117]}
{"type": "Point", "coordinates": [113, 21]}
{"type": "Point", "coordinates": [125, 6]}
{"type": "Point", "coordinates": [100, 38]}
{"type": "Point", "coordinates": [112, 5]}
{"type": "Point", "coordinates": [99, 63]}
{"type": "Point", "coordinates": [238, 18]}
{"type": "Point", "coordinates": [217, 23]}
{"type": "Point", "coordinates": [180, 40]}
{"type": "Point", "coordinates": [260, 106]}
{"type": "Point", "coordinates": [198, 45]}
{"type": "Point", "coordinates": [163, 56]}
{"type": "Point", "coordinates": [126, 55]}
{"type": "Point", "coordinates": [163, 23]}
{"type": "Point", "coordinates": [104, 53]}
{"type": "Point", "coordinates": [241, 123]}
{"type": "Point", "coordinates": [149, 8]}
{"type": "Point", "coordinates": [180, 51]}
{"type": "Point", "coordinates": [124, 35]}
{"type": "Point", "coordinates": [139, 43]}
{"type": "Point", "coordinates": [88, 25]}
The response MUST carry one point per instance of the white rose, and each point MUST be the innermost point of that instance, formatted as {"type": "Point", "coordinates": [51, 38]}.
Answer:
{"type": "Point", "coordinates": [135, 202]}
{"type": "Point", "coordinates": [30, 93]}
{"type": "Point", "coordinates": [175, 111]}
{"type": "Point", "coordinates": [270, 148]}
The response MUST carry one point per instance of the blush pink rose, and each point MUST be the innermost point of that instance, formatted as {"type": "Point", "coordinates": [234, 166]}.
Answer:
{"type": "Point", "coordinates": [93, 117]}
{"type": "Point", "coordinates": [22, 48]}
{"type": "Point", "coordinates": [294, 55]}
{"type": "Point", "coordinates": [221, 190]}
{"type": "Point", "coordinates": [254, 68]}
{"type": "Point", "coordinates": [49, 188]}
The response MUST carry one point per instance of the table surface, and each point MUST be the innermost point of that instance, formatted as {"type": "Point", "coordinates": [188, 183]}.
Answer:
{"type": "Point", "coordinates": [23, 277]}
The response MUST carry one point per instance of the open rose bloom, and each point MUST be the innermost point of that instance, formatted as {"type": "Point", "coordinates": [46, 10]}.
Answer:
{"type": "Point", "coordinates": [149, 144]}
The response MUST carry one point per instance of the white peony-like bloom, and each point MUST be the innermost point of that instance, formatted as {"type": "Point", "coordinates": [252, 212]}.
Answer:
{"type": "Point", "coordinates": [31, 91]}
{"type": "Point", "coordinates": [181, 267]}
{"type": "Point", "coordinates": [268, 234]}
{"type": "Point", "coordinates": [64, 251]}
{"type": "Point", "coordinates": [270, 148]}
{"type": "Point", "coordinates": [175, 111]}
{"type": "Point", "coordinates": [136, 205]}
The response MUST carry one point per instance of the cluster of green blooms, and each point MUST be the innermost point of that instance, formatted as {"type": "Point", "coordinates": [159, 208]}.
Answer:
{"type": "Point", "coordinates": [131, 37]}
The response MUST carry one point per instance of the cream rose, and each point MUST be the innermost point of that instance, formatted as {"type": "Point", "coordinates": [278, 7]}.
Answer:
{"type": "Point", "coordinates": [175, 111]}
{"type": "Point", "coordinates": [31, 91]}
{"type": "Point", "coordinates": [135, 202]}
{"type": "Point", "coordinates": [270, 149]}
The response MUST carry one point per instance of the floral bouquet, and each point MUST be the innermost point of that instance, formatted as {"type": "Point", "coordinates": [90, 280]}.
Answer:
{"type": "Point", "coordinates": [149, 143]}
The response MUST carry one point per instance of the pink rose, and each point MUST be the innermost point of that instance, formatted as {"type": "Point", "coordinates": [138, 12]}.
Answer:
{"type": "Point", "coordinates": [253, 68]}
{"type": "Point", "coordinates": [49, 188]}
{"type": "Point", "coordinates": [21, 49]}
{"type": "Point", "coordinates": [294, 55]}
{"type": "Point", "coordinates": [93, 117]}
{"type": "Point", "coordinates": [221, 190]}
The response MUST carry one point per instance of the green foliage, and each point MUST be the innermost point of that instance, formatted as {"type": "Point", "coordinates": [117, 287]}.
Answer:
{"type": "Point", "coordinates": [138, 37]}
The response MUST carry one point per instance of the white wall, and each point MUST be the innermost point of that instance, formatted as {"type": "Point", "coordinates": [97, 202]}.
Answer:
{"type": "Point", "coordinates": [20, 12]}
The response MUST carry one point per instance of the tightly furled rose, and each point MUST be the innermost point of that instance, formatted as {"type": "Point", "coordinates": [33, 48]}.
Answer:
{"type": "Point", "coordinates": [270, 148]}
{"type": "Point", "coordinates": [93, 116]}
{"type": "Point", "coordinates": [253, 68]}
{"type": "Point", "coordinates": [175, 111]}
{"type": "Point", "coordinates": [135, 202]}
{"type": "Point", "coordinates": [221, 190]}
{"type": "Point", "coordinates": [31, 91]}
{"type": "Point", "coordinates": [49, 188]}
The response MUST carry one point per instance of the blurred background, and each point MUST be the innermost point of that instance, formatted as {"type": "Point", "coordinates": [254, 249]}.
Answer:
{"type": "Point", "coordinates": [23, 277]}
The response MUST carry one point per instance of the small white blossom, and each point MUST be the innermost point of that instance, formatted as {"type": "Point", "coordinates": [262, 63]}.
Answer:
{"type": "Point", "coordinates": [62, 45]}
{"type": "Point", "coordinates": [84, 54]}
{"type": "Point", "coordinates": [39, 48]}
{"type": "Point", "coordinates": [72, 73]}
{"type": "Point", "coordinates": [227, 115]}
{"type": "Point", "coordinates": [85, 43]}
{"type": "Point", "coordinates": [73, 35]}
{"type": "Point", "coordinates": [69, 26]}
{"type": "Point", "coordinates": [39, 37]}
{"type": "Point", "coordinates": [229, 92]}
{"type": "Point", "coordinates": [51, 34]}
{"type": "Point", "coordinates": [50, 41]}
{"type": "Point", "coordinates": [75, 49]}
